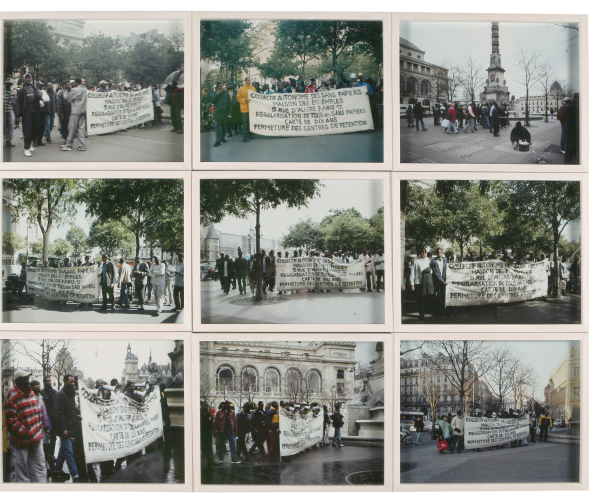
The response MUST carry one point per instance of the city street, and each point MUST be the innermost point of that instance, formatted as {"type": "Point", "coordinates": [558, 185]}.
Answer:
{"type": "Point", "coordinates": [347, 307]}
{"type": "Point", "coordinates": [321, 466]}
{"type": "Point", "coordinates": [152, 144]}
{"type": "Point", "coordinates": [541, 462]}
{"type": "Point", "coordinates": [43, 311]}
{"type": "Point", "coordinates": [361, 147]}
{"type": "Point", "coordinates": [436, 146]}
{"type": "Point", "coordinates": [566, 310]}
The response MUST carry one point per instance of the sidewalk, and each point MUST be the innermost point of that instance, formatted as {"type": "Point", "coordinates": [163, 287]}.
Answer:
{"type": "Point", "coordinates": [347, 307]}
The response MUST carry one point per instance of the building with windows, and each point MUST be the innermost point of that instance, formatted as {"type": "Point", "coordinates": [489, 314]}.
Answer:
{"type": "Point", "coordinates": [68, 31]}
{"type": "Point", "coordinates": [29, 232]}
{"type": "Point", "coordinates": [301, 372]}
{"type": "Point", "coordinates": [420, 80]}
{"type": "Point", "coordinates": [139, 374]}
{"type": "Point", "coordinates": [563, 392]}
{"type": "Point", "coordinates": [538, 104]}
{"type": "Point", "coordinates": [151, 36]}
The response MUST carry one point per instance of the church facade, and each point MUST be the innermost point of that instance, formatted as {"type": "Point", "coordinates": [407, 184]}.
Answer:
{"type": "Point", "coordinates": [139, 374]}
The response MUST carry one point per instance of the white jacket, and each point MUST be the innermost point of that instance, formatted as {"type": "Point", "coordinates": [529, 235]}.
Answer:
{"type": "Point", "coordinates": [157, 274]}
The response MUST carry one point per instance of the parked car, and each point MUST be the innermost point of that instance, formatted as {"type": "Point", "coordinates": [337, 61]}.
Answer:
{"type": "Point", "coordinates": [410, 424]}
{"type": "Point", "coordinates": [559, 423]}
{"type": "Point", "coordinates": [427, 426]}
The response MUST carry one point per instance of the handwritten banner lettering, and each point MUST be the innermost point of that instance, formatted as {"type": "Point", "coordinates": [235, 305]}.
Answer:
{"type": "Point", "coordinates": [317, 113]}
{"type": "Point", "coordinates": [77, 284]}
{"type": "Point", "coordinates": [495, 282]}
{"type": "Point", "coordinates": [119, 427]}
{"type": "Point", "coordinates": [112, 111]}
{"type": "Point", "coordinates": [308, 273]}
{"type": "Point", "coordinates": [480, 432]}
{"type": "Point", "coordinates": [299, 432]}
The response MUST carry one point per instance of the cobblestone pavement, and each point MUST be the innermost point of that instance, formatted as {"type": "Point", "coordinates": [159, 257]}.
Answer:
{"type": "Point", "coordinates": [436, 146]}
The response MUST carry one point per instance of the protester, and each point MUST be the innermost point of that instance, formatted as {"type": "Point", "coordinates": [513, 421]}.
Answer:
{"type": "Point", "coordinates": [107, 282]}
{"type": "Point", "coordinates": [139, 273]}
{"type": "Point", "coordinates": [206, 434]}
{"type": "Point", "coordinates": [222, 103]}
{"type": "Point", "coordinates": [66, 426]}
{"type": "Point", "coordinates": [176, 106]}
{"type": "Point", "coordinates": [179, 285]}
{"type": "Point", "coordinates": [10, 112]}
{"type": "Point", "coordinates": [243, 99]}
{"type": "Point", "coordinates": [419, 426]}
{"type": "Point", "coordinates": [571, 120]}
{"type": "Point", "coordinates": [77, 96]}
{"type": "Point", "coordinates": [561, 118]}
{"type": "Point", "coordinates": [338, 423]}
{"type": "Point", "coordinates": [457, 426]}
{"type": "Point", "coordinates": [48, 394]}
{"type": "Point", "coordinates": [28, 99]}
{"type": "Point", "coordinates": [225, 428]}
{"type": "Point", "coordinates": [157, 274]}
{"type": "Point", "coordinates": [418, 113]}
{"type": "Point", "coordinates": [124, 281]}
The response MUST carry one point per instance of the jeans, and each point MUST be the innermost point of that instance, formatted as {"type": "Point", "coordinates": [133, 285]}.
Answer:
{"type": "Point", "coordinates": [241, 282]}
{"type": "Point", "coordinates": [486, 121]}
{"type": "Point", "coordinates": [229, 436]}
{"type": "Point", "coordinates": [418, 438]}
{"type": "Point", "coordinates": [220, 131]}
{"type": "Point", "coordinates": [337, 436]}
{"type": "Point", "coordinates": [30, 464]}
{"type": "Point", "coordinates": [77, 126]}
{"type": "Point", "coordinates": [9, 126]}
{"type": "Point", "coordinates": [124, 296]}
{"type": "Point", "coordinates": [139, 292]}
{"type": "Point", "coordinates": [417, 122]}
{"type": "Point", "coordinates": [452, 128]}
{"type": "Point", "coordinates": [563, 137]}
{"type": "Point", "coordinates": [245, 125]}
{"type": "Point", "coordinates": [457, 443]}
{"type": "Point", "coordinates": [470, 125]}
{"type": "Point", "coordinates": [66, 453]}
{"type": "Point", "coordinates": [176, 114]}
{"type": "Point", "coordinates": [49, 119]}
{"type": "Point", "coordinates": [179, 297]}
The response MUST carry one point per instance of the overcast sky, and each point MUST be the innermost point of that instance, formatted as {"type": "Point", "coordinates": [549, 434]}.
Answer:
{"type": "Point", "coordinates": [106, 358]}
{"type": "Point", "coordinates": [452, 42]}
{"type": "Point", "coordinates": [125, 28]}
{"type": "Point", "coordinates": [366, 196]}
{"type": "Point", "coordinates": [543, 356]}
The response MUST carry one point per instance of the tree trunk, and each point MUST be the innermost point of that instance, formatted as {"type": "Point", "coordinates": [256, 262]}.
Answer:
{"type": "Point", "coordinates": [527, 106]}
{"type": "Point", "coordinates": [137, 243]}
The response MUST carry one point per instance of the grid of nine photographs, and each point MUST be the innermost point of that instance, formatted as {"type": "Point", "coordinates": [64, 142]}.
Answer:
{"type": "Point", "coordinates": [369, 162]}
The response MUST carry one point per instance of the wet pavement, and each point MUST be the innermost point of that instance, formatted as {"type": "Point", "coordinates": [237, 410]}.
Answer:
{"type": "Point", "coordinates": [320, 466]}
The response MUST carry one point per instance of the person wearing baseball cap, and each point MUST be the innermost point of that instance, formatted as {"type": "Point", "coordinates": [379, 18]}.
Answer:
{"type": "Point", "coordinates": [25, 428]}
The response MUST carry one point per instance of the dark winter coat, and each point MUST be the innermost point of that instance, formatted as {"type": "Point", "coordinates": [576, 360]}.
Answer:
{"type": "Point", "coordinates": [520, 133]}
{"type": "Point", "coordinates": [222, 103]}
{"type": "Point", "coordinates": [66, 415]}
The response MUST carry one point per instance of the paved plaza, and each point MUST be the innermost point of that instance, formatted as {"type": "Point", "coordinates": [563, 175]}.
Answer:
{"type": "Point", "coordinates": [347, 307]}
{"type": "Point", "coordinates": [436, 146]}
{"type": "Point", "coordinates": [566, 310]}
{"type": "Point", "coordinates": [535, 463]}
{"type": "Point", "coordinates": [321, 466]}
{"type": "Point", "coordinates": [361, 147]}
{"type": "Point", "coordinates": [44, 311]}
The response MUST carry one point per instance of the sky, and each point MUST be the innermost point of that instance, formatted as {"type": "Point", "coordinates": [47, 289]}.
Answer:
{"type": "Point", "coordinates": [79, 220]}
{"type": "Point", "coordinates": [365, 352]}
{"type": "Point", "coordinates": [106, 358]}
{"type": "Point", "coordinates": [433, 38]}
{"type": "Point", "coordinates": [544, 356]}
{"type": "Point", "coordinates": [113, 28]}
{"type": "Point", "coordinates": [366, 196]}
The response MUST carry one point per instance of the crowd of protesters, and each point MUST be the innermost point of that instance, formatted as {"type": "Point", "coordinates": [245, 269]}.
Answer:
{"type": "Point", "coordinates": [255, 429]}
{"type": "Point", "coordinates": [35, 416]}
{"type": "Point", "coordinates": [40, 107]}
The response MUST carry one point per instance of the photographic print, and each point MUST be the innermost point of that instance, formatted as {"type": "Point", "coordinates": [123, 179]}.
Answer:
{"type": "Point", "coordinates": [305, 90]}
{"type": "Point", "coordinates": [92, 90]}
{"type": "Point", "coordinates": [97, 411]}
{"type": "Point", "coordinates": [93, 250]}
{"type": "Point", "coordinates": [508, 96]}
{"type": "Point", "coordinates": [292, 251]}
{"type": "Point", "coordinates": [491, 252]}
{"type": "Point", "coordinates": [491, 408]}
{"type": "Point", "coordinates": [284, 411]}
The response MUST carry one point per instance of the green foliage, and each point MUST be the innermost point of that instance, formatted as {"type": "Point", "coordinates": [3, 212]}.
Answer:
{"type": "Point", "coordinates": [136, 203]}
{"type": "Point", "coordinates": [60, 63]}
{"type": "Point", "coordinates": [61, 248]}
{"type": "Point", "coordinates": [148, 62]}
{"type": "Point", "coordinates": [12, 242]}
{"type": "Point", "coordinates": [305, 234]}
{"type": "Point", "coordinates": [37, 246]}
{"type": "Point", "coordinates": [77, 237]}
{"type": "Point", "coordinates": [27, 44]}
{"type": "Point", "coordinates": [298, 40]}
{"type": "Point", "coordinates": [346, 231]}
{"type": "Point", "coordinates": [112, 238]}
{"type": "Point", "coordinates": [45, 202]}
{"type": "Point", "coordinates": [101, 56]}
{"type": "Point", "coordinates": [277, 67]}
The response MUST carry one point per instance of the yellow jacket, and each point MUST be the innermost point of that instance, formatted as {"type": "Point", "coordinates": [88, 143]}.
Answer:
{"type": "Point", "coordinates": [242, 97]}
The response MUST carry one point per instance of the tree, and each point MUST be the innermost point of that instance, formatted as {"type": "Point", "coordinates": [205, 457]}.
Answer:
{"type": "Point", "coordinates": [243, 197]}
{"type": "Point", "coordinates": [528, 61]}
{"type": "Point", "coordinates": [277, 67]}
{"type": "Point", "coordinates": [167, 231]}
{"type": "Point", "coordinates": [208, 386]}
{"type": "Point", "coordinates": [472, 77]}
{"type": "Point", "coordinates": [550, 204]}
{"type": "Point", "coordinates": [45, 202]}
{"type": "Point", "coordinates": [346, 231]}
{"type": "Point", "coordinates": [298, 40]}
{"type": "Point", "coordinates": [41, 352]}
{"type": "Point", "coordinates": [77, 237]}
{"type": "Point", "coordinates": [61, 248]}
{"type": "Point", "coordinates": [430, 388]}
{"type": "Point", "coordinates": [100, 54]}
{"type": "Point", "coordinates": [112, 238]}
{"type": "Point", "coordinates": [453, 82]}
{"type": "Point", "coordinates": [376, 240]}
{"type": "Point", "coordinates": [64, 364]}
{"type": "Point", "coordinates": [545, 82]}
{"type": "Point", "coordinates": [28, 45]}
{"type": "Point", "coordinates": [135, 203]}
{"type": "Point", "coordinates": [499, 376]}
{"type": "Point", "coordinates": [147, 62]}
{"type": "Point", "coordinates": [458, 361]}
{"type": "Point", "coordinates": [60, 63]}
{"type": "Point", "coordinates": [305, 234]}
{"type": "Point", "coordinates": [37, 246]}
{"type": "Point", "coordinates": [523, 378]}
{"type": "Point", "coordinates": [12, 243]}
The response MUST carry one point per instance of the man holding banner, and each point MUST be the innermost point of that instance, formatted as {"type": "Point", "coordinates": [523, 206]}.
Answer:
{"type": "Point", "coordinates": [244, 100]}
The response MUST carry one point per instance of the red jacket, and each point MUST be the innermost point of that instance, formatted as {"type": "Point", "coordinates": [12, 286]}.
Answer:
{"type": "Point", "coordinates": [560, 114]}
{"type": "Point", "coordinates": [219, 423]}
{"type": "Point", "coordinates": [452, 114]}
{"type": "Point", "coordinates": [23, 418]}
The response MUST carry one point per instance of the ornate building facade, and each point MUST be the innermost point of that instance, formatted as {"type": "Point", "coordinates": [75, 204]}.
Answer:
{"type": "Point", "coordinates": [137, 374]}
{"type": "Point", "coordinates": [563, 392]}
{"type": "Point", "coordinates": [420, 80]}
{"type": "Point", "coordinates": [303, 372]}
{"type": "Point", "coordinates": [68, 30]}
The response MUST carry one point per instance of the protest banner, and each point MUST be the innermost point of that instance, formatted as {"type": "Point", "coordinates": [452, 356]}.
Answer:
{"type": "Point", "coordinates": [299, 432]}
{"type": "Point", "coordinates": [112, 111]}
{"type": "Point", "coordinates": [304, 273]}
{"type": "Point", "coordinates": [480, 432]}
{"type": "Point", "coordinates": [118, 427]}
{"type": "Point", "coordinates": [495, 282]}
{"type": "Point", "coordinates": [77, 284]}
{"type": "Point", "coordinates": [317, 113]}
